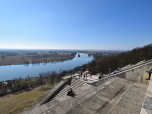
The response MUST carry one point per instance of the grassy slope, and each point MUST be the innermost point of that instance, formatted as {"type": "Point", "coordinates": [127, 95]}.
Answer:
{"type": "Point", "coordinates": [14, 104]}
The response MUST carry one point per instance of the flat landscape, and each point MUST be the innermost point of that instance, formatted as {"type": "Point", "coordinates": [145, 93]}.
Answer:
{"type": "Point", "coordinates": [27, 57]}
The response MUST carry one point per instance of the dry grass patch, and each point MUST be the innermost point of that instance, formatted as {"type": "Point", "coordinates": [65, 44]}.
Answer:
{"type": "Point", "coordinates": [14, 104]}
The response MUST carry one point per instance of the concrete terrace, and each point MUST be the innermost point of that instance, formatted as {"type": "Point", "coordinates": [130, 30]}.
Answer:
{"type": "Point", "coordinates": [127, 92]}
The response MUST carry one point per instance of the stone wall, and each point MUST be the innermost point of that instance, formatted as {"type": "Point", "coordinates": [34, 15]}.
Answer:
{"type": "Point", "coordinates": [137, 73]}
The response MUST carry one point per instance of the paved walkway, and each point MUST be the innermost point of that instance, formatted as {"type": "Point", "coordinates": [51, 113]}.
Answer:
{"type": "Point", "coordinates": [128, 100]}
{"type": "Point", "coordinates": [147, 105]}
{"type": "Point", "coordinates": [99, 99]}
{"type": "Point", "coordinates": [131, 102]}
{"type": "Point", "coordinates": [88, 79]}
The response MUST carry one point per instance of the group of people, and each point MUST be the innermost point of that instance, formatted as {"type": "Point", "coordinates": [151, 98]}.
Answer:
{"type": "Point", "coordinates": [84, 74]}
{"type": "Point", "coordinates": [71, 72]}
{"type": "Point", "coordinates": [114, 72]}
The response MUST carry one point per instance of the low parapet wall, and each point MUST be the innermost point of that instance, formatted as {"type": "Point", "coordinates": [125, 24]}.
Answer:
{"type": "Point", "coordinates": [52, 92]}
{"type": "Point", "coordinates": [134, 73]}
{"type": "Point", "coordinates": [137, 73]}
{"type": "Point", "coordinates": [101, 81]}
{"type": "Point", "coordinates": [141, 63]}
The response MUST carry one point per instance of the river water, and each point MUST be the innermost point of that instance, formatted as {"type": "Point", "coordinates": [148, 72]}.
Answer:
{"type": "Point", "coordinates": [12, 71]}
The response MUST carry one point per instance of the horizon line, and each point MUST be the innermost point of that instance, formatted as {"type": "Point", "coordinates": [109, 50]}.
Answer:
{"type": "Point", "coordinates": [59, 49]}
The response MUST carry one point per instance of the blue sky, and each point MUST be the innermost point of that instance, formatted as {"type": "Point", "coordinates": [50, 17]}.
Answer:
{"type": "Point", "coordinates": [75, 24]}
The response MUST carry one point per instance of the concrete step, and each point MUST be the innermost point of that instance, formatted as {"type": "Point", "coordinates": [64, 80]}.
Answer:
{"type": "Point", "coordinates": [113, 102]}
{"type": "Point", "coordinates": [68, 85]}
{"type": "Point", "coordinates": [131, 102]}
{"type": "Point", "coordinates": [78, 81]}
{"type": "Point", "coordinates": [64, 91]}
{"type": "Point", "coordinates": [100, 99]}
{"type": "Point", "coordinates": [74, 84]}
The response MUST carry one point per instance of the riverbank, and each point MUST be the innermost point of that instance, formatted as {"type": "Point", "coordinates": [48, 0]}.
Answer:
{"type": "Point", "coordinates": [33, 70]}
{"type": "Point", "coordinates": [34, 58]}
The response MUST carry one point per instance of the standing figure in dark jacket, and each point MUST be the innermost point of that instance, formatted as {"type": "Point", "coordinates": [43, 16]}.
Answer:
{"type": "Point", "coordinates": [101, 74]}
{"type": "Point", "coordinates": [149, 74]}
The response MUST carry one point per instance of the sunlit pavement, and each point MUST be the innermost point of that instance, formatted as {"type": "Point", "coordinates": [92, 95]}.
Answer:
{"type": "Point", "coordinates": [89, 78]}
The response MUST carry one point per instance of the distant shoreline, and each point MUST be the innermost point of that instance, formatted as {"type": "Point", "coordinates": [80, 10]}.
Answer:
{"type": "Point", "coordinates": [16, 58]}
{"type": "Point", "coordinates": [43, 61]}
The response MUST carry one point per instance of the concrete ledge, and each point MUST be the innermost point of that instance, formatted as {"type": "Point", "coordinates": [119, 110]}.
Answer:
{"type": "Point", "coordinates": [126, 73]}
{"type": "Point", "coordinates": [52, 92]}
{"type": "Point", "coordinates": [141, 63]}
{"type": "Point", "coordinates": [101, 81]}
{"type": "Point", "coordinates": [136, 73]}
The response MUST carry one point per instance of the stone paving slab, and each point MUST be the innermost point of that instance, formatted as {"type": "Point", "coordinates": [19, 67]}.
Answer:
{"type": "Point", "coordinates": [145, 111]}
{"type": "Point", "coordinates": [123, 110]}
{"type": "Point", "coordinates": [147, 105]}
{"type": "Point", "coordinates": [89, 79]}
{"type": "Point", "coordinates": [107, 92]}
{"type": "Point", "coordinates": [81, 110]}
{"type": "Point", "coordinates": [113, 102]}
{"type": "Point", "coordinates": [132, 101]}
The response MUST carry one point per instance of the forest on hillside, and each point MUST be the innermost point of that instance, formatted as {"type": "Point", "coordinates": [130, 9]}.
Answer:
{"type": "Point", "coordinates": [103, 63]}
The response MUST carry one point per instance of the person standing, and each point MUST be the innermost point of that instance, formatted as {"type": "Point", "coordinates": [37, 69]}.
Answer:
{"type": "Point", "coordinates": [86, 75]}
{"type": "Point", "coordinates": [100, 75]}
{"type": "Point", "coordinates": [79, 74]}
{"type": "Point", "coordinates": [81, 69]}
{"type": "Point", "coordinates": [84, 69]}
{"type": "Point", "coordinates": [73, 72]}
{"type": "Point", "coordinates": [109, 71]}
{"type": "Point", "coordinates": [90, 74]}
{"type": "Point", "coordinates": [149, 74]}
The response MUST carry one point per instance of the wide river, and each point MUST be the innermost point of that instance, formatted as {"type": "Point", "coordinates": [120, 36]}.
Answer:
{"type": "Point", "coordinates": [12, 71]}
